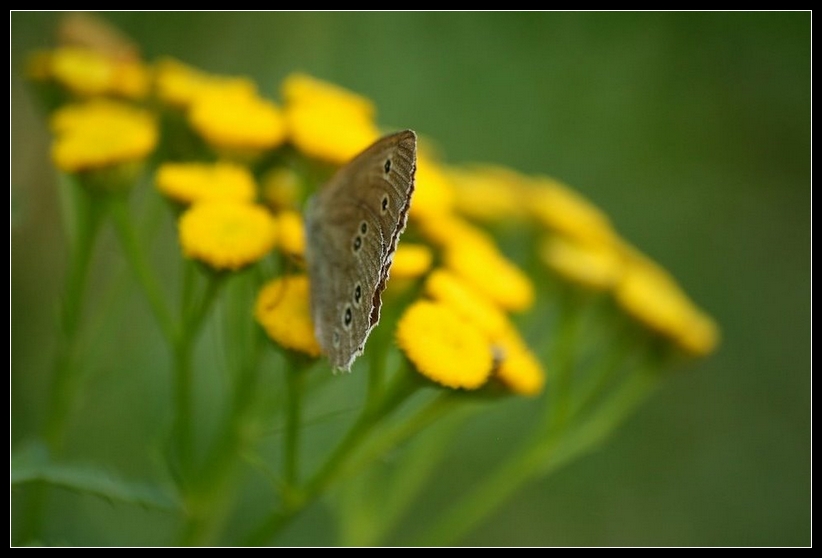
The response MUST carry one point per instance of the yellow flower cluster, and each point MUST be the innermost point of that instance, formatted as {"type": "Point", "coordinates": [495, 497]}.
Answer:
{"type": "Point", "coordinates": [459, 334]}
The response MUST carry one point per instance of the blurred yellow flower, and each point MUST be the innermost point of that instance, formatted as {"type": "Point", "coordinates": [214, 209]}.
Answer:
{"type": "Point", "coordinates": [433, 191]}
{"type": "Point", "coordinates": [283, 310]}
{"type": "Point", "coordinates": [652, 296]}
{"type": "Point", "coordinates": [449, 289]}
{"type": "Point", "coordinates": [291, 235]}
{"type": "Point", "coordinates": [487, 192]}
{"type": "Point", "coordinates": [517, 367]}
{"type": "Point", "coordinates": [443, 346]}
{"type": "Point", "coordinates": [449, 228]}
{"type": "Point", "coordinates": [237, 122]}
{"type": "Point", "coordinates": [568, 212]}
{"type": "Point", "coordinates": [227, 235]}
{"type": "Point", "coordinates": [100, 134]}
{"type": "Point", "coordinates": [411, 261]}
{"type": "Point", "coordinates": [87, 72]}
{"type": "Point", "coordinates": [595, 266]}
{"type": "Point", "coordinates": [188, 183]}
{"type": "Point", "coordinates": [482, 265]}
{"type": "Point", "coordinates": [178, 84]}
{"type": "Point", "coordinates": [326, 121]}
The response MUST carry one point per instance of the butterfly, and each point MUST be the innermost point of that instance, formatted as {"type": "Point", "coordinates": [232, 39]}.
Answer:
{"type": "Point", "coordinates": [352, 227]}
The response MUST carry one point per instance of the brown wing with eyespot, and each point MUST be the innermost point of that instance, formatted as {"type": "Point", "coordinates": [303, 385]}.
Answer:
{"type": "Point", "coordinates": [352, 228]}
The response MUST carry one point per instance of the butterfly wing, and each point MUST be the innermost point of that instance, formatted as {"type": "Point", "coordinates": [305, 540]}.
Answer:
{"type": "Point", "coordinates": [353, 225]}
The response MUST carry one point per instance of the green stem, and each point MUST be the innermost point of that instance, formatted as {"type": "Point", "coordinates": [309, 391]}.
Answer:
{"type": "Point", "coordinates": [563, 362]}
{"type": "Point", "coordinates": [539, 458]}
{"type": "Point", "coordinates": [403, 386]}
{"type": "Point", "coordinates": [136, 258]}
{"type": "Point", "coordinates": [295, 383]}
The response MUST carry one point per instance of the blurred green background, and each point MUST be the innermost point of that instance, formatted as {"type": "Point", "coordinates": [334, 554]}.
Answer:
{"type": "Point", "coordinates": [691, 130]}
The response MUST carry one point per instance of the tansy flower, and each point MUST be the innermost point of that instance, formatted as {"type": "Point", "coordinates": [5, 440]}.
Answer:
{"type": "Point", "coordinates": [433, 191]}
{"type": "Point", "coordinates": [482, 265]}
{"type": "Point", "coordinates": [516, 366]}
{"type": "Point", "coordinates": [179, 84]}
{"type": "Point", "coordinates": [189, 183]}
{"type": "Point", "coordinates": [449, 229]}
{"type": "Point", "coordinates": [227, 236]}
{"type": "Point", "coordinates": [88, 72]}
{"type": "Point", "coordinates": [411, 261]}
{"type": "Point", "coordinates": [282, 188]}
{"type": "Point", "coordinates": [595, 266]}
{"type": "Point", "coordinates": [237, 122]}
{"type": "Point", "coordinates": [443, 346]}
{"type": "Point", "coordinates": [101, 134]}
{"type": "Point", "coordinates": [653, 297]}
{"type": "Point", "coordinates": [326, 121]}
{"type": "Point", "coordinates": [487, 192]}
{"type": "Point", "coordinates": [567, 212]}
{"type": "Point", "coordinates": [449, 289]}
{"type": "Point", "coordinates": [291, 233]}
{"type": "Point", "coordinates": [283, 310]}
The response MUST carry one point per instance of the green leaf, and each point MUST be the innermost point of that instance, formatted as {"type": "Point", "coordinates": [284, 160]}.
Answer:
{"type": "Point", "coordinates": [30, 462]}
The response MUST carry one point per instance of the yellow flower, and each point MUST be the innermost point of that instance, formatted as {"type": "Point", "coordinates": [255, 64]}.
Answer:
{"type": "Point", "coordinates": [595, 266]}
{"type": "Point", "coordinates": [88, 72]}
{"type": "Point", "coordinates": [517, 367]}
{"type": "Point", "coordinates": [235, 121]}
{"type": "Point", "coordinates": [567, 212]}
{"type": "Point", "coordinates": [449, 289]}
{"type": "Point", "coordinates": [227, 235]}
{"type": "Point", "coordinates": [652, 296]}
{"type": "Point", "coordinates": [189, 183]}
{"type": "Point", "coordinates": [411, 261]}
{"type": "Point", "coordinates": [448, 229]}
{"type": "Point", "coordinates": [326, 121]}
{"type": "Point", "coordinates": [82, 71]}
{"type": "Point", "coordinates": [444, 347]}
{"type": "Point", "coordinates": [283, 310]}
{"type": "Point", "coordinates": [101, 134]}
{"type": "Point", "coordinates": [433, 191]}
{"type": "Point", "coordinates": [487, 192]}
{"type": "Point", "coordinates": [482, 265]}
{"type": "Point", "coordinates": [282, 188]}
{"type": "Point", "coordinates": [291, 233]}
{"type": "Point", "coordinates": [179, 84]}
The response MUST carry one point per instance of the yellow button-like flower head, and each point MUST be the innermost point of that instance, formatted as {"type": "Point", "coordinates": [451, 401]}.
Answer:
{"type": "Point", "coordinates": [653, 297]}
{"type": "Point", "coordinates": [227, 236]}
{"type": "Point", "coordinates": [443, 346]}
{"type": "Point", "coordinates": [189, 183]}
{"type": "Point", "coordinates": [283, 310]}
{"type": "Point", "coordinates": [237, 122]}
{"type": "Point", "coordinates": [326, 121]}
{"type": "Point", "coordinates": [101, 134]}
